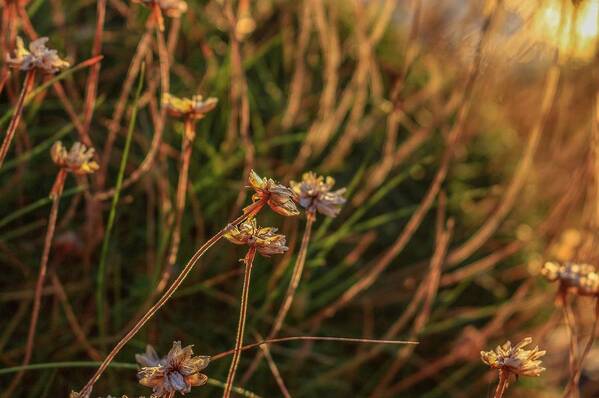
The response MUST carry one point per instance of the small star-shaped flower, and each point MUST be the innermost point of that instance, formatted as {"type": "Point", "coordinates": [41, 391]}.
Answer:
{"type": "Point", "coordinates": [194, 108]}
{"type": "Point", "coordinates": [515, 360]}
{"type": "Point", "coordinates": [78, 160]}
{"type": "Point", "coordinates": [315, 193]}
{"type": "Point", "coordinates": [38, 56]}
{"type": "Point", "coordinates": [277, 196]}
{"type": "Point", "coordinates": [264, 240]}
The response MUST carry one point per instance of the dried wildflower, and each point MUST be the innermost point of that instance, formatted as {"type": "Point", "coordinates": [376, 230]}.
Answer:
{"type": "Point", "coordinates": [314, 194]}
{"type": "Point", "coordinates": [177, 372]}
{"type": "Point", "coordinates": [172, 8]}
{"type": "Point", "coordinates": [277, 196]}
{"type": "Point", "coordinates": [78, 160]}
{"type": "Point", "coordinates": [37, 57]}
{"type": "Point", "coordinates": [265, 240]}
{"type": "Point", "coordinates": [194, 108]}
{"type": "Point", "coordinates": [515, 360]}
{"type": "Point", "coordinates": [581, 279]}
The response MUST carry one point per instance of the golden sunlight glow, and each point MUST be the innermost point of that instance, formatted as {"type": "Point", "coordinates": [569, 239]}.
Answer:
{"type": "Point", "coordinates": [580, 42]}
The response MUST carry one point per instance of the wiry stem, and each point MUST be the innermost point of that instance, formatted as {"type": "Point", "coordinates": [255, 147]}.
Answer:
{"type": "Point", "coordinates": [37, 300]}
{"type": "Point", "coordinates": [16, 117]}
{"type": "Point", "coordinates": [187, 146]}
{"type": "Point", "coordinates": [249, 261]}
{"type": "Point", "coordinates": [253, 210]}
{"type": "Point", "coordinates": [502, 386]}
{"type": "Point", "coordinates": [296, 275]}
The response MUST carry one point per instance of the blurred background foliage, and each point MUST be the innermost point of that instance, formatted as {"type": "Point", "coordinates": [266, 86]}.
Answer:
{"type": "Point", "coordinates": [367, 92]}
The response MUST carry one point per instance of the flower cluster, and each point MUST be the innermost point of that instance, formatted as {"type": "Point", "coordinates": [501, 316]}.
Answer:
{"type": "Point", "coordinates": [178, 371]}
{"type": "Point", "coordinates": [581, 279]}
{"type": "Point", "coordinates": [515, 360]}
{"type": "Point", "coordinates": [314, 193]}
{"type": "Point", "coordinates": [263, 239]}
{"type": "Point", "coordinates": [194, 108]}
{"type": "Point", "coordinates": [78, 160]}
{"type": "Point", "coordinates": [172, 8]}
{"type": "Point", "coordinates": [38, 56]}
{"type": "Point", "coordinates": [277, 196]}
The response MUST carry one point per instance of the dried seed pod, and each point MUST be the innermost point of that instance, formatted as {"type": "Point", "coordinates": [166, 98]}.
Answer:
{"type": "Point", "coordinates": [78, 160]}
{"type": "Point", "coordinates": [277, 196]}
{"type": "Point", "coordinates": [265, 240]}
{"type": "Point", "coordinates": [172, 8]}
{"type": "Point", "coordinates": [38, 56]}
{"type": "Point", "coordinates": [580, 279]}
{"type": "Point", "coordinates": [194, 108]}
{"type": "Point", "coordinates": [515, 360]}
{"type": "Point", "coordinates": [178, 371]}
{"type": "Point", "coordinates": [314, 193]}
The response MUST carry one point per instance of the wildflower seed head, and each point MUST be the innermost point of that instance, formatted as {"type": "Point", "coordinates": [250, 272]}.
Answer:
{"type": "Point", "coordinates": [194, 108]}
{"type": "Point", "coordinates": [78, 160]}
{"type": "Point", "coordinates": [580, 279]}
{"type": "Point", "coordinates": [278, 197]}
{"type": "Point", "coordinates": [38, 56]}
{"type": "Point", "coordinates": [515, 360]}
{"type": "Point", "coordinates": [264, 240]}
{"type": "Point", "coordinates": [172, 8]}
{"type": "Point", "coordinates": [314, 193]}
{"type": "Point", "coordinates": [178, 371]}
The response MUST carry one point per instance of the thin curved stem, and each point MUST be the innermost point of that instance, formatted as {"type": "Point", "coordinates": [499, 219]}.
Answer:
{"type": "Point", "coordinates": [251, 211]}
{"type": "Point", "coordinates": [296, 276]}
{"type": "Point", "coordinates": [16, 117]}
{"type": "Point", "coordinates": [41, 278]}
{"type": "Point", "coordinates": [249, 262]}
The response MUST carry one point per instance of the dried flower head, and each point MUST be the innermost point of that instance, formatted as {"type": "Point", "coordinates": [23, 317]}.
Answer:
{"type": "Point", "coordinates": [277, 196]}
{"type": "Point", "coordinates": [314, 194]}
{"type": "Point", "coordinates": [265, 240]}
{"type": "Point", "coordinates": [515, 360]}
{"type": "Point", "coordinates": [38, 56]}
{"type": "Point", "coordinates": [195, 107]}
{"type": "Point", "coordinates": [177, 372]}
{"type": "Point", "coordinates": [172, 8]}
{"type": "Point", "coordinates": [581, 279]}
{"type": "Point", "coordinates": [78, 160]}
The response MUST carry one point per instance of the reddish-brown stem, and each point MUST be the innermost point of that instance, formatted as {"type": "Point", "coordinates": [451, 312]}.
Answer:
{"type": "Point", "coordinates": [16, 117]}
{"type": "Point", "coordinates": [296, 275]}
{"type": "Point", "coordinates": [187, 146]}
{"type": "Point", "coordinates": [86, 390]}
{"type": "Point", "coordinates": [37, 300]}
{"type": "Point", "coordinates": [245, 293]}
{"type": "Point", "coordinates": [502, 386]}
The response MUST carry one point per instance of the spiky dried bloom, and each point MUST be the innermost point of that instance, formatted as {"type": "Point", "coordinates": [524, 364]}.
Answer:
{"type": "Point", "coordinates": [194, 108]}
{"type": "Point", "coordinates": [264, 240]}
{"type": "Point", "coordinates": [172, 8]}
{"type": "Point", "coordinates": [515, 360]}
{"type": "Point", "coordinates": [581, 279]}
{"type": "Point", "coordinates": [38, 56]}
{"type": "Point", "coordinates": [78, 160]}
{"type": "Point", "coordinates": [314, 193]}
{"type": "Point", "coordinates": [178, 371]}
{"type": "Point", "coordinates": [277, 196]}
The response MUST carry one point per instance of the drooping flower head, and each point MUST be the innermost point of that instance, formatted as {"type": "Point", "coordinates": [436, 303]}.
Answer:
{"type": "Point", "coordinates": [581, 279]}
{"type": "Point", "coordinates": [78, 160]}
{"type": "Point", "coordinates": [194, 108]}
{"type": "Point", "coordinates": [314, 193]}
{"type": "Point", "coordinates": [515, 360]}
{"type": "Point", "coordinates": [38, 56]}
{"type": "Point", "coordinates": [178, 371]}
{"type": "Point", "coordinates": [264, 240]}
{"type": "Point", "coordinates": [277, 196]}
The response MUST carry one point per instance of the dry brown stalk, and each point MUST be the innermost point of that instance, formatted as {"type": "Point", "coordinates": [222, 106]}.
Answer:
{"type": "Point", "coordinates": [72, 318]}
{"type": "Point", "coordinates": [297, 81]}
{"type": "Point", "coordinates": [274, 370]}
{"type": "Point", "coordinates": [248, 262]}
{"type": "Point", "coordinates": [55, 194]}
{"type": "Point", "coordinates": [16, 116]}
